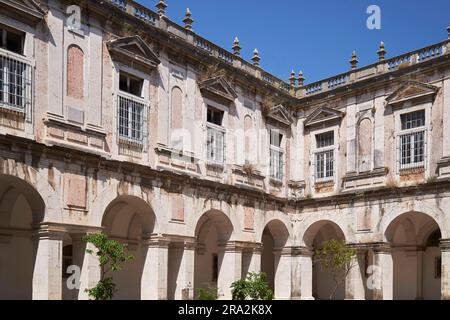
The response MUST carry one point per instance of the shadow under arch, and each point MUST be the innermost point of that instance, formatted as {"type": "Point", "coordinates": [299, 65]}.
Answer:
{"type": "Point", "coordinates": [274, 238]}
{"type": "Point", "coordinates": [314, 236]}
{"type": "Point", "coordinates": [130, 220]}
{"type": "Point", "coordinates": [416, 256]}
{"type": "Point", "coordinates": [212, 232]}
{"type": "Point", "coordinates": [21, 207]}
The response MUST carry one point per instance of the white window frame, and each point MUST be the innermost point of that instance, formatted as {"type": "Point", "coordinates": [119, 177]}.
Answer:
{"type": "Point", "coordinates": [133, 102]}
{"type": "Point", "coordinates": [277, 173]}
{"type": "Point", "coordinates": [324, 150]}
{"type": "Point", "coordinates": [222, 129]}
{"type": "Point", "coordinates": [411, 132]}
{"type": "Point", "coordinates": [143, 101]}
{"type": "Point", "coordinates": [217, 130]}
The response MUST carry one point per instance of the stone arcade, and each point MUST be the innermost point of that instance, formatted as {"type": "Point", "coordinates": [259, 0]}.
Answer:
{"type": "Point", "coordinates": [209, 167]}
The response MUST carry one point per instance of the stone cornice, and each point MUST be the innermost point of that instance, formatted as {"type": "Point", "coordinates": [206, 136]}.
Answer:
{"type": "Point", "coordinates": [170, 180]}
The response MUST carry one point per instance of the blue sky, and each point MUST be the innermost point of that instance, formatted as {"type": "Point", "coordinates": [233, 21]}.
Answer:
{"type": "Point", "coordinates": [317, 37]}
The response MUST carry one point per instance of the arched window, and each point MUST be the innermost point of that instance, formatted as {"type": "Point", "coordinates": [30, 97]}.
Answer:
{"type": "Point", "coordinates": [75, 72]}
{"type": "Point", "coordinates": [365, 135]}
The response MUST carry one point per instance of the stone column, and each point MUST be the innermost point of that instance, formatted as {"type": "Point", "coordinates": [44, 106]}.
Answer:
{"type": "Point", "coordinates": [354, 283]}
{"type": "Point", "coordinates": [419, 290]}
{"type": "Point", "coordinates": [185, 278]}
{"type": "Point", "coordinates": [47, 273]}
{"type": "Point", "coordinates": [230, 268]}
{"type": "Point", "coordinates": [89, 265]}
{"type": "Point", "coordinates": [255, 263]}
{"type": "Point", "coordinates": [282, 269]}
{"type": "Point", "coordinates": [445, 269]}
{"type": "Point", "coordinates": [154, 274]}
{"type": "Point", "coordinates": [383, 278]}
{"type": "Point", "coordinates": [305, 261]}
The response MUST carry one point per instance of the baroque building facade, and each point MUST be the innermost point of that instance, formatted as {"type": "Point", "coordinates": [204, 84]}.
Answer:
{"type": "Point", "coordinates": [207, 166]}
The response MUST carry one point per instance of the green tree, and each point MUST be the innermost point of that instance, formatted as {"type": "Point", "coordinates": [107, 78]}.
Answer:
{"type": "Point", "coordinates": [111, 255]}
{"type": "Point", "coordinates": [254, 287]}
{"type": "Point", "coordinates": [338, 258]}
{"type": "Point", "coordinates": [206, 293]}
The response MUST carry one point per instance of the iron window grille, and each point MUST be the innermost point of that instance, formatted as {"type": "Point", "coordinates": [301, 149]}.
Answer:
{"type": "Point", "coordinates": [15, 83]}
{"type": "Point", "coordinates": [411, 141]}
{"type": "Point", "coordinates": [132, 119]}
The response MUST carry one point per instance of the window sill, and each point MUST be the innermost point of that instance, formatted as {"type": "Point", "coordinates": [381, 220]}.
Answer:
{"type": "Point", "coordinates": [129, 142]}
{"type": "Point", "coordinates": [215, 165]}
{"type": "Point", "coordinates": [408, 171]}
{"type": "Point", "coordinates": [12, 110]}
{"type": "Point", "coordinates": [276, 182]}
{"type": "Point", "coordinates": [325, 183]}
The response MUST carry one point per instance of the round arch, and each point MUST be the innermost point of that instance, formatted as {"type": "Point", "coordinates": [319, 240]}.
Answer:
{"type": "Point", "coordinates": [21, 206]}
{"type": "Point", "coordinates": [322, 279]}
{"type": "Point", "coordinates": [130, 220]}
{"type": "Point", "coordinates": [213, 230]}
{"type": "Point", "coordinates": [416, 255]}
{"type": "Point", "coordinates": [324, 229]}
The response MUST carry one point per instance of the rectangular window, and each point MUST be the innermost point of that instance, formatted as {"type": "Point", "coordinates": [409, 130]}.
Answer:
{"type": "Point", "coordinates": [324, 157]}
{"type": "Point", "coordinates": [276, 155]}
{"type": "Point", "coordinates": [215, 116]}
{"type": "Point", "coordinates": [413, 120]}
{"type": "Point", "coordinates": [130, 84]}
{"type": "Point", "coordinates": [215, 145]}
{"type": "Point", "coordinates": [215, 136]}
{"type": "Point", "coordinates": [11, 40]}
{"type": "Point", "coordinates": [131, 119]}
{"type": "Point", "coordinates": [412, 140]}
{"type": "Point", "coordinates": [325, 140]}
{"type": "Point", "coordinates": [15, 84]}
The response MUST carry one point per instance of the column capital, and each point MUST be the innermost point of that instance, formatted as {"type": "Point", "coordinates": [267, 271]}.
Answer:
{"type": "Point", "coordinates": [53, 229]}
{"type": "Point", "coordinates": [48, 231]}
{"type": "Point", "coordinates": [378, 247]}
{"type": "Point", "coordinates": [156, 241]}
{"type": "Point", "coordinates": [302, 251]}
{"type": "Point", "coordinates": [230, 246]}
{"type": "Point", "coordinates": [445, 244]}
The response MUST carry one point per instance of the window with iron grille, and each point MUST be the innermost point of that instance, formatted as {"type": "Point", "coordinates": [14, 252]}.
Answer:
{"type": "Point", "coordinates": [215, 140]}
{"type": "Point", "coordinates": [324, 157]}
{"type": "Point", "coordinates": [131, 119]}
{"type": "Point", "coordinates": [412, 140]}
{"type": "Point", "coordinates": [276, 155]}
{"type": "Point", "coordinates": [15, 74]}
{"type": "Point", "coordinates": [15, 84]}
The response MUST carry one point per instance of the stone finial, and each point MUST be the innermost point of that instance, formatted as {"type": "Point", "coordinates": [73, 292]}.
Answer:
{"type": "Point", "coordinates": [301, 79]}
{"type": "Point", "coordinates": [354, 61]}
{"type": "Point", "coordinates": [292, 79]}
{"type": "Point", "coordinates": [236, 47]}
{"type": "Point", "coordinates": [256, 58]}
{"type": "Point", "coordinates": [188, 20]}
{"type": "Point", "coordinates": [161, 6]}
{"type": "Point", "coordinates": [381, 51]}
